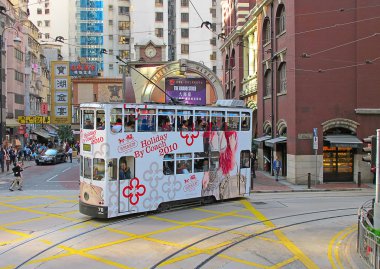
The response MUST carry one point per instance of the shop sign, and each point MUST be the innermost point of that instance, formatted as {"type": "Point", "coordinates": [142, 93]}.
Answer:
{"type": "Point", "coordinates": [44, 108]}
{"type": "Point", "coordinates": [21, 129]}
{"type": "Point", "coordinates": [305, 136]}
{"type": "Point", "coordinates": [85, 69]}
{"type": "Point", "coordinates": [315, 138]}
{"type": "Point", "coordinates": [189, 90]}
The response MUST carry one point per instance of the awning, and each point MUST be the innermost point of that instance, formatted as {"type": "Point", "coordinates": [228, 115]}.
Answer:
{"type": "Point", "coordinates": [271, 142]}
{"type": "Point", "coordinates": [346, 141]}
{"type": "Point", "coordinates": [258, 140]}
{"type": "Point", "coordinates": [42, 132]}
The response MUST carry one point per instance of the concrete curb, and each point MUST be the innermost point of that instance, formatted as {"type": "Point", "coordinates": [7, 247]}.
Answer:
{"type": "Point", "coordinates": [307, 190]}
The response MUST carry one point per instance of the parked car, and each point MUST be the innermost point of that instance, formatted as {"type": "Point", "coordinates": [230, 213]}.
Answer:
{"type": "Point", "coordinates": [52, 156]}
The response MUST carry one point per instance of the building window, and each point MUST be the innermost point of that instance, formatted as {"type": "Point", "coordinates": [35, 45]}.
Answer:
{"type": "Point", "coordinates": [110, 37]}
{"type": "Point", "coordinates": [47, 11]}
{"type": "Point", "coordinates": [184, 17]}
{"type": "Point", "coordinates": [19, 76]}
{"type": "Point", "coordinates": [19, 99]}
{"type": "Point", "coordinates": [213, 12]}
{"type": "Point", "coordinates": [123, 10]}
{"type": "Point", "coordinates": [124, 25]}
{"type": "Point", "coordinates": [19, 55]}
{"type": "Point", "coordinates": [110, 7]}
{"type": "Point", "coordinates": [185, 48]}
{"type": "Point", "coordinates": [213, 41]}
{"type": "Point", "coordinates": [232, 59]}
{"type": "Point", "coordinates": [213, 27]}
{"type": "Point", "coordinates": [282, 78]}
{"type": "Point", "coordinates": [110, 22]}
{"type": "Point", "coordinates": [124, 54]}
{"type": "Point", "coordinates": [185, 33]}
{"type": "Point", "coordinates": [47, 23]}
{"type": "Point", "coordinates": [39, 11]}
{"type": "Point", "coordinates": [159, 16]}
{"type": "Point", "coordinates": [110, 66]}
{"type": "Point", "coordinates": [39, 23]}
{"type": "Point", "coordinates": [47, 36]}
{"type": "Point", "coordinates": [213, 56]}
{"type": "Point", "coordinates": [184, 3]}
{"type": "Point", "coordinates": [281, 16]}
{"type": "Point", "coordinates": [268, 82]}
{"type": "Point", "coordinates": [159, 2]}
{"type": "Point", "coordinates": [159, 32]}
{"type": "Point", "coordinates": [266, 31]}
{"type": "Point", "coordinates": [110, 52]}
{"type": "Point", "coordinates": [123, 39]}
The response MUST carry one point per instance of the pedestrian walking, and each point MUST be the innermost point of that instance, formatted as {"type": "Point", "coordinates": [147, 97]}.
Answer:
{"type": "Point", "coordinates": [18, 179]}
{"type": "Point", "coordinates": [7, 160]}
{"type": "Point", "coordinates": [277, 167]}
{"type": "Point", "coordinates": [2, 158]}
{"type": "Point", "coordinates": [70, 153]}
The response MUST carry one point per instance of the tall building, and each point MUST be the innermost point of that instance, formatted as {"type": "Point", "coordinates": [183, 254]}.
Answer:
{"type": "Point", "coordinates": [316, 83]}
{"type": "Point", "coordinates": [52, 19]}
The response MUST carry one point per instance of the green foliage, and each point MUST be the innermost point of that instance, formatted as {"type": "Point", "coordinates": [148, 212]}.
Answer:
{"type": "Point", "coordinates": [65, 133]}
{"type": "Point", "coordinates": [374, 231]}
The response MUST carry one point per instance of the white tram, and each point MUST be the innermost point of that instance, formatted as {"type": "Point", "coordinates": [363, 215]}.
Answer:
{"type": "Point", "coordinates": [137, 157]}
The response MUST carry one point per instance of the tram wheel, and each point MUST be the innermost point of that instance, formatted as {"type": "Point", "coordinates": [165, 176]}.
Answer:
{"type": "Point", "coordinates": [164, 207]}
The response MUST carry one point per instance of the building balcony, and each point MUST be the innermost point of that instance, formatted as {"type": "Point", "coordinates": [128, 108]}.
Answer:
{"type": "Point", "coordinates": [249, 86]}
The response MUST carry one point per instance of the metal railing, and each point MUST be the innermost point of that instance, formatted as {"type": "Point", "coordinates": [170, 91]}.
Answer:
{"type": "Point", "coordinates": [368, 243]}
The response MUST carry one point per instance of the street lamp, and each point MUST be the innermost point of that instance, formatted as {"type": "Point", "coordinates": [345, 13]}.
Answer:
{"type": "Point", "coordinates": [16, 40]}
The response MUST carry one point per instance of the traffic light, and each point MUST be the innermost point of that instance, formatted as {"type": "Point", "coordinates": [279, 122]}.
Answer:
{"type": "Point", "coordinates": [371, 150]}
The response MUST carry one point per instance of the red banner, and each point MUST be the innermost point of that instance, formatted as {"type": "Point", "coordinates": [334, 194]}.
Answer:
{"type": "Point", "coordinates": [44, 108]}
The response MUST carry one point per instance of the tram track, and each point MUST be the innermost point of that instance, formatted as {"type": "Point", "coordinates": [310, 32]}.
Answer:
{"type": "Point", "coordinates": [237, 241]}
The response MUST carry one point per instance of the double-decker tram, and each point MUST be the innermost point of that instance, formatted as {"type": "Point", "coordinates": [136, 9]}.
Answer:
{"type": "Point", "coordinates": [139, 157]}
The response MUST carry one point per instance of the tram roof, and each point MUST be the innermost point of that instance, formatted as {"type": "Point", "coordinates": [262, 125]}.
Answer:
{"type": "Point", "coordinates": [223, 104]}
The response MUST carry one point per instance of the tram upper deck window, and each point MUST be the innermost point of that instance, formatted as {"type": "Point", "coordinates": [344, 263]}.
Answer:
{"type": "Point", "coordinates": [185, 120]}
{"type": "Point", "coordinates": [202, 118]}
{"type": "Point", "coordinates": [129, 119]}
{"type": "Point", "coordinates": [245, 121]}
{"type": "Point", "coordinates": [88, 119]}
{"type": "Point", "coordinates": [99, 169]}
{"type": "Point", "coordinates": [116, 122]}
{"type": "Point", "coordinates": [100, 118]}
{"type": "Point", "coordinates": [166, 120]}
{"type": "Point", "coordinates": [184, 164]}
{"type": "Point", "coordinates": [233, 119]}
{"type": "Point", "coordinates": [147, 120]}
{"type": "Point", "coordinates": [218, 120]}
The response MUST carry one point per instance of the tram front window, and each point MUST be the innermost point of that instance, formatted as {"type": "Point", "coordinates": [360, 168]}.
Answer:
{"type": "Point", "coordinates": [88, 119]}
{"type": "Point", "coordinates": [245, 121]}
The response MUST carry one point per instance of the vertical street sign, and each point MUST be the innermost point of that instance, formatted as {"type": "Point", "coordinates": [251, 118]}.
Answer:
{"type": "Point", "coordinates": [315, 138]}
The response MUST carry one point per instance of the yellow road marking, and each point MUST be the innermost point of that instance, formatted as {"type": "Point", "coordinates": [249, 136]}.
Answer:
{"type": "Point", "coordinates": [220, 212]}
{"type": "Point", "coordinates": [289, 244]}
{"type": "Point", "coordinates": [339, 236]}
{"type": "Point", "coordinates": [96, 258]}
{"type": "Point", "coordinates": [283, 263]}
{"type": "Point", "coordinates": [185, 223]}
{"type": "Point", "coordinates": [243, 261]}
{"type": "Point", "coordinates": [14, 232]}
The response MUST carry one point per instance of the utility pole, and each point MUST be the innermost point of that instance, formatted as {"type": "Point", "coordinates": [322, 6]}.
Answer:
{"type": "Point", "coordinates": [272, 82]}
{"type": "Point", "coordinates": [376, 216]}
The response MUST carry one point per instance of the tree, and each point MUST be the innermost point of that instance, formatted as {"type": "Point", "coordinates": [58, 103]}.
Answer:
{"type": "Point", "coordinates": [65, 133]}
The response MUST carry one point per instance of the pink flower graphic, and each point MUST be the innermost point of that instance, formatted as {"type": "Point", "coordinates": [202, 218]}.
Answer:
{"type": "Point", "coordinates": [135, 190]}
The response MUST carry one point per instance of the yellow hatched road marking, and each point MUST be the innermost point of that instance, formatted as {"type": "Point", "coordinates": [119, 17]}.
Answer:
{"type": "Point", "coordinates": [192, 224]}
{"type": "Point", "coordinates": [96, 258]}
{"type": "Point", "coordinates": [220, 212]}
{"type": "Point", "coordinates": [289, 244]}
{"type": "Point", "coordinates": [283, 263]}
{"type": "Point", "coordinates": [331, 250]}
{"type": "Point", "coordinates": [26, 220]}
{"type": "Point", "coordinates": [243, 261]}
{"type": "Point", "coordinates": [14, 232]}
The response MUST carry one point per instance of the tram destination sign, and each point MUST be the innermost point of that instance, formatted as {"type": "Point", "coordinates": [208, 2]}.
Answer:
{"type": "Point", "coordinates": [190, 90]}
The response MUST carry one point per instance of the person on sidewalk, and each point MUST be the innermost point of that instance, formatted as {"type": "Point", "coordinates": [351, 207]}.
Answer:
{"type": "Point", "coordinates": [277, 167]}
{"type": "Point", "coordinates": [2, 158]}
{"type": "Point", "coordinates": [18, 180]}
{"type": "Point", "coordinates": [70, 153]}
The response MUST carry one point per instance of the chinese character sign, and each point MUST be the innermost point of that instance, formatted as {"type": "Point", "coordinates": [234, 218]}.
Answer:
{"type": "Point", "coordinates": [44, 108]}
{"type": "Point", "coordinates": [61, 93]}
{"type": "Point", "coordinates": [88, 69]}
{"type": "Point", "coordinates": [189, 90]}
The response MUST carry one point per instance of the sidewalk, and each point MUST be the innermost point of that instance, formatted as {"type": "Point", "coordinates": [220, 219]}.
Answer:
{"type": "Point", "coordinates": [264, 182]}
{"type": "Point", "coordinates": [27, 164]}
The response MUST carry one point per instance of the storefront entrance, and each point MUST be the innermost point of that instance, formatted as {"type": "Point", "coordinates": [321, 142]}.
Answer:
{"type": "Point", "coordinates": [338, 164]}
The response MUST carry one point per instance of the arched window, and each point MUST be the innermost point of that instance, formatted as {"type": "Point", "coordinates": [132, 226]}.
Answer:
{"type": "Point", "coordinates": [227, 63]}
{"type": "Point", "coordinates": [266, 31]}
{"type": "Point", "coordinates": [282, 78]}
{"type": "Point", "coordinates": [268, 83]}
{"type": "Point", "coordinates": [232, 60]}
{"type": "Point", "coordinates": [233, 92]}
{"type": "Point", "coordinates": [280, 19]}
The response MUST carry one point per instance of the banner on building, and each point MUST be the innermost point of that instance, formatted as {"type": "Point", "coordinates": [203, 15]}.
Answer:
{"type": "Point", "coordinates": [189, 90]}
{"type": "Point", "coordinates": [44, 108]}
{"type": "Point", "coordinates": [87, 69]}
{"type": "Point", "coordinates": [61, 93]}
{"type": "Point", "coordinates": [33, 119]}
